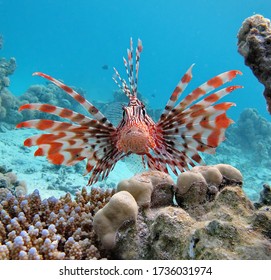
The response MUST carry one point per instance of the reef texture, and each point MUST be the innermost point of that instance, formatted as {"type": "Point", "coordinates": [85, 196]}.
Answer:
{"type": "Point", "coordinates": [215, 221]}
{"type": "Point", "coordinates": [8, 103]}
{"type": "Point", "coordinates": [31, 228]}
{"type": "Point", "coordinates": [254, 43]}
{"type": "Point", "coordinates": [7, 67]}
{"type": "Point", "coordinates": [212, 220]}
{"type": "Point", "coordinates": [257, 129]}
{"type": "Point", "coordinates": [10, 183]}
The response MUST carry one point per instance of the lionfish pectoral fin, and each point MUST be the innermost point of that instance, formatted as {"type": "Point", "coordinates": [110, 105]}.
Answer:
{"type": "Point", "coordinates": [195, 125]}
{"type": "Point", "coordinates": [179, 89]}
{"type": "Point", "coordinates": [102, 167]}
{"type": "Point", "coordinates": [79, 98]}
{"type": "Point", "coordinates": [58, 111]}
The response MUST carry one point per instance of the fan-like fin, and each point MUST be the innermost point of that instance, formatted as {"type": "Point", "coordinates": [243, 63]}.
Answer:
{"type": "Point", "coordinates": [79, 98]}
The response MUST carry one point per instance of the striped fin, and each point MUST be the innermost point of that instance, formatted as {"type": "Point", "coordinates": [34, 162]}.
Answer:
{"type": "Point", "coordinates": [122, 84]}
{"type": "Point", "coordinates": [129, 66]}
{"type": "Point", "coordinates": [194, 125]}
{"type": "Point", "coordinates": [69, 144]}
{"type": "Point", "coordinates": [178, 91]}
{"type": "Point", "coordinates": [139, 49]}
{"type": "Point", "coordinates": [80, 99]}
{"type": "Point", "coordinates": [102, 168]}
{"type": "Point", "coordinates": [58, 111]}
{"type": "Point", "coordinates": [211, 99]}
{"type": "Point", "coordinates": [207, 87]}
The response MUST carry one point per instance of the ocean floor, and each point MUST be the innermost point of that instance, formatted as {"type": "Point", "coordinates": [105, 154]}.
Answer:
{"type": "Point", "coordinates": [52, 180]}
{"type": "Point", "coordinates": [38, 173]}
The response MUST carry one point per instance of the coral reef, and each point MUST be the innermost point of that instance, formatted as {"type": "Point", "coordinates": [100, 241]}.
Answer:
{"type": "Point", "coordinates": [31, 228]}
{"type": "Point", "coordinates": [257, 129]}
{"type": "Point", "coordinates": [8, 103]}
{"type": "Point", "coordinates": [10, 183]}
{"type": "Point", "coordinates": [254, 44]}
{"type": "Point", "coordinates": [220, 222]}
{"type": "Point", "coordinates": [150, 189]}
{"type": "Point", "coordinates": [224, 226]}
{"type": "Point", "coordinates": [202, 183]}
{"type": "Point", "coordinates": [121, 208]}
{"type": "Point", "coordinates": [7, 67]}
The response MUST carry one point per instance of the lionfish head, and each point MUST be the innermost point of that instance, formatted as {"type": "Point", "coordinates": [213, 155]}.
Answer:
{"type": "Point", "coordinates": [134, 130]}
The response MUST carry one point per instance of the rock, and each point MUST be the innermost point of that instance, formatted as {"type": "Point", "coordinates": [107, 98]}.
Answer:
{"type": "Point", "coordinates": [121, 208]}
{"type": "Point", "coordinates": [150, 189]}
{"type": "Point", "coordinates": [261, 221]}
{"type": "Point", "coordinates": [265, 195]}
{"type": "Point", "coordinates": [230, 174]}
{"type": "Point", "coordinates": [191, 189]}
{"type": "Point", "coordinates": [254, 44]}
{"type": "Point", "coordinates": [229, 229]}
{"type": "Point", "coordinates": [202, 183]}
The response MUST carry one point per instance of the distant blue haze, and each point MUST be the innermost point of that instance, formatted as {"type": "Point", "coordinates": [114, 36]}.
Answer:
{"type": "Point", "coordinates": [72, 40]}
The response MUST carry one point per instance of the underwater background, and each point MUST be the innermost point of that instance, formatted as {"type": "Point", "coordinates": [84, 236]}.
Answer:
{"type": "Point", "coordinates": [79, 42]}
{"type": "Point", "coordinates": [218, 211]}
{"type": "Point", "coordinates": [73, 40]}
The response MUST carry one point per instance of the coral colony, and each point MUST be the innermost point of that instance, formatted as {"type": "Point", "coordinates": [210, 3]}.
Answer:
{"type": "Point", "coordinates": [151, 215]}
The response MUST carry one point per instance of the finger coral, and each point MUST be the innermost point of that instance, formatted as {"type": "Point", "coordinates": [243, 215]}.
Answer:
{"type": "Point", "coordinates": [31, 228]}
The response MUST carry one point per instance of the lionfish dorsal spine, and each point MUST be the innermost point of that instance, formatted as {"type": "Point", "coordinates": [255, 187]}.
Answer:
{"type": "Point", "coordinates": [122, 84]}
{"type": "Point", "coordinates": [89, 107]}
{"type": "Point", "coordinates": [139, 49]}
{"type": "Point", "coordinates": [129, 67]}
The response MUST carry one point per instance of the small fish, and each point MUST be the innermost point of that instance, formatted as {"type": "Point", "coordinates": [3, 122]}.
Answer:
{"type": "Point", "coordinates": [193, 125]}
{"type": "Point", "coordinates": [105, 67]}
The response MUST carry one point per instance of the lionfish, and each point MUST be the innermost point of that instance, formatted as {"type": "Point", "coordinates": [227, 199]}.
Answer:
{"type": "Point", "coordinates": [185, 129]}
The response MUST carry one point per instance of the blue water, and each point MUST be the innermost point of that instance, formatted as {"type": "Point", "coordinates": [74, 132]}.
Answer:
{"type": "Point", "coordinates": [72, 40]}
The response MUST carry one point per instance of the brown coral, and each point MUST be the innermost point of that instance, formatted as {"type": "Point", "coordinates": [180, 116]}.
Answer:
{"type": "Point", "coordinates": [10, 182]}
{"type": "Point", "coordinates": [150, 188]}
{"type": "Point", "coordinates": [254, 43]}
{"type": "Point", "coordinates": [202, 183]}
